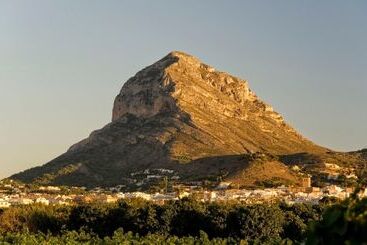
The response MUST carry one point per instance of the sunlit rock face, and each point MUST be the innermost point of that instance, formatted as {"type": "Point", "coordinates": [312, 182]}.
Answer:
{"type": "Point", "coordinates": [216, 102]}
{"type": "Point", "coordinates": [178, 79]}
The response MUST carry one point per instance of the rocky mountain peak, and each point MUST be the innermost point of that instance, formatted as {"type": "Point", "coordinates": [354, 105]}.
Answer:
{"type": "Point", "coordinates": [181, 114]}
{"type": "Point", "coordinates": [182, 55]}
{"type": "Point", "coordinates": [170, 82]}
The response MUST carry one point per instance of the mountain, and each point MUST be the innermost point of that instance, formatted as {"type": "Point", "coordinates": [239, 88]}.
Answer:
{"type": "Point", "coordinates": [180, 115]}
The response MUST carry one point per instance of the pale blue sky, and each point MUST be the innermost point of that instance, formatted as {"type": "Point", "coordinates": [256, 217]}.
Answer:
{"type": "Point", "coordinates": [63, 62]}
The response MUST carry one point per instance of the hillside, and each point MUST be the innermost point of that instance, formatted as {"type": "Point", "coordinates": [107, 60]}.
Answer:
{"type": "Point", "coordinates": [182, 115]}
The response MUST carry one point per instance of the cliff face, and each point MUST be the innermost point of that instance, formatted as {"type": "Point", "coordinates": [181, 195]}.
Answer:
{"type": "Point", "coordinates": [179, 114]}
{"type": "Point", "coordinates": [219, 105]}
{"type": "Point", "coordinates": [178, 81]}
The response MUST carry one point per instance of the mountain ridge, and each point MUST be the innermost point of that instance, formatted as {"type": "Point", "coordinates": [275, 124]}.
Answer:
{"type": "Point", "coordinates": [179, 114]}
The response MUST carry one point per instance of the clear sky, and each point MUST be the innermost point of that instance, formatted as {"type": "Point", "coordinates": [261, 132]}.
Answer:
{"type": "Point", "coordinates": [63, 62]}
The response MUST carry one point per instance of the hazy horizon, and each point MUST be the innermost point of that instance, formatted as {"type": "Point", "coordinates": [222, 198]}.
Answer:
{"type": "Point", "coordinates": [63, 63]}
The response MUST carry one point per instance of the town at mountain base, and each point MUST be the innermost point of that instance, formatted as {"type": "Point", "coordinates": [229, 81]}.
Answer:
{"type": "Point", "coordinates": [181, 121]}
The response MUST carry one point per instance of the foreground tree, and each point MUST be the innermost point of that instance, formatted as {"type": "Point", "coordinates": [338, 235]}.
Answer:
{"type": "Point", "coordinates": [343, 223]}
{"type": "Point", "coordinates": [257, 223]}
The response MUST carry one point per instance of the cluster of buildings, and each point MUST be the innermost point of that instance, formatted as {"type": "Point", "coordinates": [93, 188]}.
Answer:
{"type": "Point", "coordinates": [289, 195]}
{"type": "Point", "coordinates": [7, 200]}
{"type": "Point", "coordinates": [15, 194]}
{"type": "Point", "coordinates": [147, 176]}
{"type": "Point", "coordinates": [330, 170]}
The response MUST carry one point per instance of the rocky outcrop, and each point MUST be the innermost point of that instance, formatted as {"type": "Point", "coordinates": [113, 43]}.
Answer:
{"type": "Point", "coordinates": [180, 78]}
{"type": "Point", "coordinates": [216, 102]}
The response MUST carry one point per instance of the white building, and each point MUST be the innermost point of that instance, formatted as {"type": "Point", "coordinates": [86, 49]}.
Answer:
{"type": "Point", "coordinates": [21, 201]}
{"type": "Point", "coordinates": [42, 200]}
{"type": "Point", "coordinates": [4, 203]}
{"type": "Point", "coordinates": [137, 195]}
{"type": "Point", "coordinates": [223, 185]}
{"type": "Point", "coordinates": [50, 188]}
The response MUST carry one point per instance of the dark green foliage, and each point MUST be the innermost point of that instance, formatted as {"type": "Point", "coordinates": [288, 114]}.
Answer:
{"type": "Point", "coordinates": [256, 223]}
{"type": "Point", "coordinates": [165, 215]}
{"type": "Point", "coordinates": [89, 217]}
{"type": "Point", "coordinates": [217, 216]}
{"type": "Point", "coordinates": [190, 217]}
{"type": "Point", "coordinates": [294, 227]}
{"type": "Point", "coordinates": [119, 237]}
{"type": "Point", "coordinates": [344, 223]}
{"type": "Point", "coordinates": [44, 222]}
{"type": "Point", "coordinates": [146, 219]}
{"type": "Point", "coordinates": [296, 219]}
{"type": "Point", "coordinates": [179, 221]}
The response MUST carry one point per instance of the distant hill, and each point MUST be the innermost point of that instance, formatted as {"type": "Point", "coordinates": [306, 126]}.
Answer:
{"type": "Point", "coordinates": [183, 115]}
